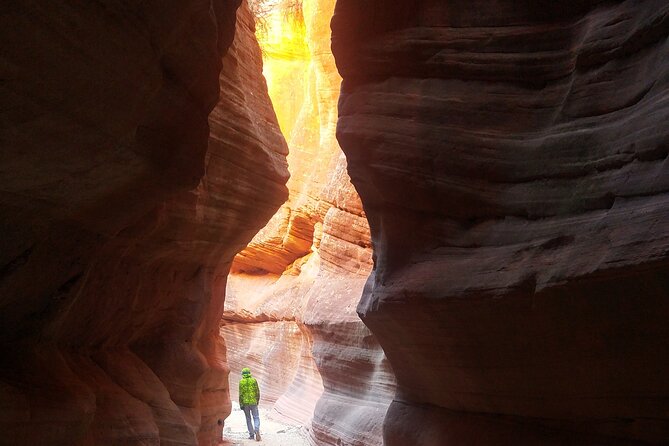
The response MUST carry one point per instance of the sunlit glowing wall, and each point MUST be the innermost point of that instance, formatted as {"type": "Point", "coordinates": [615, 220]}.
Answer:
{"type": "Point", "coordinates": [303, 84]}
{"type": "Point", "coordinates": [286, 61]}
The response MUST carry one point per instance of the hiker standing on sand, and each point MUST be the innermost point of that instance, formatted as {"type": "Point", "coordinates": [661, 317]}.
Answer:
{"type": "Point", "coordinates": [249, 397]}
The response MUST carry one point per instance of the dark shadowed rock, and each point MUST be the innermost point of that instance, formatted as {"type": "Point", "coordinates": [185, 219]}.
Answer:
{"type": "Point", "coordinates": [512, 163]}
{"type": "Point", "coordinates": [120, 214]}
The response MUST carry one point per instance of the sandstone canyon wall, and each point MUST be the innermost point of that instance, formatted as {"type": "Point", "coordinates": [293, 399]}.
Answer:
{"type": "Point", "coordinates": [292, 294]}
{"type": "Point", "coordinates": [121, 213]}
{"type": "Point", "coordinates": [512, 161]}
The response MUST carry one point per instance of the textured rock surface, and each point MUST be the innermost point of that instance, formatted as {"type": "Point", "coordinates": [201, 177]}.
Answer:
{"type": "Point", "coordinates": [309, 265]}
{"type": "Point", "coordinates": [279, 354]}
{"type": "Point", "coordinates": [358, 381]}
{"type": "Point", "coordinates": [512, 161]}
{"type": "Point", "coordinates": [121, 214]}
{"type": "Point", "coordinates": [307, 346]}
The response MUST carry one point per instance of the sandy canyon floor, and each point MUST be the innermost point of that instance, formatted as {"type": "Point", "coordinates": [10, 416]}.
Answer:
{"type": "Point", "coordinates": [274, 432]}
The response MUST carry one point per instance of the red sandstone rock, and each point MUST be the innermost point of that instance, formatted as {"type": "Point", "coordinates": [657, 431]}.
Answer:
{"type": "Point", "coordinates": [512, 162]}
{"type": "Point", "coordinates": [121, 213]}
{"type": "Point", "coordinates": [279, 354]}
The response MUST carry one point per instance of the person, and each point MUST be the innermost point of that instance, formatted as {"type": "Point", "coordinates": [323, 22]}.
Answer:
{"type": "Point", "coordinates": [249, 397]}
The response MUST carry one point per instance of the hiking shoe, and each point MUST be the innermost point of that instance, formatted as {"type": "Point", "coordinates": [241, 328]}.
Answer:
{"type": "Point", "coordinates": [251, 437]}
{"type": "Point", "coordinates": [257, 435]}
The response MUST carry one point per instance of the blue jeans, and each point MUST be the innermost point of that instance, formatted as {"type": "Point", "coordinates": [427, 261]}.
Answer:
{"type": "Point", "coordinates": [248, 410]}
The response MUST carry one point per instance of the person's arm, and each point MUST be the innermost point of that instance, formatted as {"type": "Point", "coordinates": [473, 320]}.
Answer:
{"type": "Point", "coordinates": [258, 391]}
{"type": "Point", "coordinates": [240, 395]}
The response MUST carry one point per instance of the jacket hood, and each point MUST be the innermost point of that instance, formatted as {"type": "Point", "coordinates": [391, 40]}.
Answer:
{"type": "Point", "coordinates": [246, 371]}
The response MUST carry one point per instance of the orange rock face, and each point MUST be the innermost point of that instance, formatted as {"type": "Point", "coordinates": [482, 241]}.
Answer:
{"type": "Point", "coordinates": [121, 213]}
{"type": "Point", "coordinates": [301, 277]}
{"type": "Point", "coordinates": [512, 162]}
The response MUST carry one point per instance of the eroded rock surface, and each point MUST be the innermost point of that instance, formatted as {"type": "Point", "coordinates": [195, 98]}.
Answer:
{"type": "Point", "coordinates": [512, 162]}
{"type": "Point", "coordinates": [302, 276]}
{"type": "Point", "coordinates": [316, 361]}
{"type": "Point", "coordinates": [121, 214]}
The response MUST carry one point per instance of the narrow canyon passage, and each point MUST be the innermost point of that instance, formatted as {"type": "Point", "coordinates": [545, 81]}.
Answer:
{"type": "Point", "coordinates": [290, 309]}
{"type": "Point", "coordinates": [451, 228]}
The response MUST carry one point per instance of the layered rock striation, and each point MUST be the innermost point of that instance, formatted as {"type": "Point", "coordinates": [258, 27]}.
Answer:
{"type": "Point", "coordinates": [121, 213]}
{"type": "Point", "coordinates": [317, 363]}
{"type": "Point", "coordinates": [512, 163]}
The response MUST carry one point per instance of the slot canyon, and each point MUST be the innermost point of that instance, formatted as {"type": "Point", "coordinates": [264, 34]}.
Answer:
{"type": "Point", "coordinates": [428, 222]}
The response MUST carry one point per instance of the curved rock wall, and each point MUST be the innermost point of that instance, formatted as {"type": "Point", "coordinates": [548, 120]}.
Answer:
{"type": "Point", "coordinates": [121, 214]}
{"type": "Point", "coordinates": [512, 162]}
{"type": "Point", "coordinates": [316, 362]}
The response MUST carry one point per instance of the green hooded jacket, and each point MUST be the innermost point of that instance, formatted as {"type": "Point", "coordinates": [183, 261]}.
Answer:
{"type": "Point", "coordinates": [249, 392]}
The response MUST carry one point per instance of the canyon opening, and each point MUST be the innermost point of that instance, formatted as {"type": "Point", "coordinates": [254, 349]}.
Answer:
{"type": "Point", "coordinates": [291, 297]}
{"type": "Point", "coordinates": [471, 247]}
